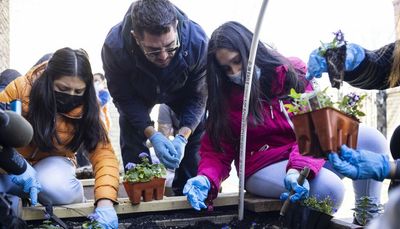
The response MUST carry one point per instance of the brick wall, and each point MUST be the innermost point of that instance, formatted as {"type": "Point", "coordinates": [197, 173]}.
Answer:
{"type": "Point", "coordinates": [396, 8]}
{"type": "Point", "coordinates": [4, 35]}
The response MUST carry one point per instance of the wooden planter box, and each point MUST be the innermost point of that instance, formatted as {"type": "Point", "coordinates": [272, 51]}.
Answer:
{"type": "Point", "coordinates": [323, 131]}
{"type": "Point", "coordinates": [150, 190]}
{"type": "Point", "coordinates": [301, 217]}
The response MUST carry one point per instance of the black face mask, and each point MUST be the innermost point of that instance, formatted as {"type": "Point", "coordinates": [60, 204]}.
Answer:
{"type": "Point", "coordinates": [66, 102]}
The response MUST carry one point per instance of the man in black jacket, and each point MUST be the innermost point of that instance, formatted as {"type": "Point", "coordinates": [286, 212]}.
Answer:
{"type": "Point", "coordinates": [157, 55]}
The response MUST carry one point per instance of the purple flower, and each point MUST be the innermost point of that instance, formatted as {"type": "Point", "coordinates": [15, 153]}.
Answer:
{"type": "Point", "coordinates": [47, 215]}
{"type": "Point", "coordinates": [352, 99]}
{"type": "Point", "coordinates": [93, 217]}
{"type": "Point", "coordinates": [339, 36]}
{"type": "Point", "coordinates": [130, 166]}
{"type": "Point", "coordinates": [143, 154]}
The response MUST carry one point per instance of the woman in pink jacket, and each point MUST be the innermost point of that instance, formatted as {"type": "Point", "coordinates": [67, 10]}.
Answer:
{"type": "Point", "coordinates": [273, 160]}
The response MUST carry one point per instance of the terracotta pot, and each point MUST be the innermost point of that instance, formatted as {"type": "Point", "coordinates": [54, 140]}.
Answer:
{"type": "Point", "coordinates": [323, 131]}
{"type": "Point", "coordinates": [150, 190]}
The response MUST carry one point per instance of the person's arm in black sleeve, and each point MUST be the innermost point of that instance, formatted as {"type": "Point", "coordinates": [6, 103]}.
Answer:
{"type": "Point", "coordinates": [11, 161]}
{"type": "Point", "coordinates": [394, 169]}
{"type": "Point", "coordinates": [134, 109]}
{"type": "Point", "coordinates": [374, 70]}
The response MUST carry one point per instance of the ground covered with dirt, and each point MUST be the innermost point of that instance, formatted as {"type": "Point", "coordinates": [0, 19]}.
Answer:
{"type": "Point", "coordinates": [204, 220]}
{"type": "Point", "coordinates": [222, 219]}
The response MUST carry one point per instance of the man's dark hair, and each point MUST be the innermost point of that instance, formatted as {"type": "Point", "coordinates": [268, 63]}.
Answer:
{"type": "Point", "coordinates": [153, 16]}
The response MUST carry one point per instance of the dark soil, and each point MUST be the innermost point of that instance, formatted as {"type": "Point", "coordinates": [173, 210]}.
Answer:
{"type": "Point", "coordinates": [190, 219]}
{"type": "Point", "coordinates": [335, 59]}
{"type": "Point", "coordinates": [202, 220]}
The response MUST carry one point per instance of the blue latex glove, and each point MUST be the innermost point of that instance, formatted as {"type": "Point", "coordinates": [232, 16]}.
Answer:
{"type": "Point", "coordinates": [300, 192]}
{"type": "Point", "coordinates": [316, 64]}
{"type": "Point", "coordinates": [179, 143]}
{"type": "Point", "coordinates": [28, 182]}
{"type": "Point", "coordinates": [165, 150]}
{"type": "Point", "coordinates": [196, 190]}
{"type": "Point", "coordinates": [360, 164]}
{"type": "Point", "coordinates": [107, 217]}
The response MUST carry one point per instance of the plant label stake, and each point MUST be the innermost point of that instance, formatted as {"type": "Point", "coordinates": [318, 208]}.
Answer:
{"type": "Point", "coordinates": [246, 96]}
{"type": "Point", "coordinates": [303, 175]}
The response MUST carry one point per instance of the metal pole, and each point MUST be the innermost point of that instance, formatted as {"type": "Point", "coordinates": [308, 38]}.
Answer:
{"type": "Point", "coordinates": [246, 96]}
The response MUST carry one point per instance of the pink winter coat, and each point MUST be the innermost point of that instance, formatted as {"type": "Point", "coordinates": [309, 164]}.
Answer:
{"type": "Point", "coordinates": [267, 144]}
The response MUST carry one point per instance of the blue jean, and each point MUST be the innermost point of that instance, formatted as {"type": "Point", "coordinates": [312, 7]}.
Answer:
{"type": "Point", "coordinates": [57, 177]}
{"type": "Point", "coordinates": [268, 181]}
{"type": "Point", "coordinates": [133, 142]}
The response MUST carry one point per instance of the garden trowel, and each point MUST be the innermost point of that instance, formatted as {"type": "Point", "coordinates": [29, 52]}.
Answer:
{"type": "Point", "coordinates": [303, 175]}
{"type": "Point", "coordinates": [48, 205]}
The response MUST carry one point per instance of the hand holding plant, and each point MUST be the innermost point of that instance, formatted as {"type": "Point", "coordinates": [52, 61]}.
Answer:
{"type": "Point", "coordinates": [92, 223]}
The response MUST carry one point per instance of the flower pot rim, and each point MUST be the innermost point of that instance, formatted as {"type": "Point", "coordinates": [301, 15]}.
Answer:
{"type": "Point", "coordinates": [316, 210]}
{"type": "Point", "coordinates": [155, 178]}
{"type": "Point", "coordinates": [329, 108]}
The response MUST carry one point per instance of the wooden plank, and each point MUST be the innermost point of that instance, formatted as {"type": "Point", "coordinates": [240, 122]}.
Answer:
{"type": "Point", "coordinates": [261, 204]}
{"type": "Point", "coordinates": [185, 222]}
{"type": "Point", "coordinates": [252, 203]}
{"type": "Point", "coordinates": [341, 224]}
{"type": "Point", "coordinates": [125, 207]}
{"type": "Point", "coordinates": [87, 182]}
{"type": "Point", "coordinates": [90, 182]}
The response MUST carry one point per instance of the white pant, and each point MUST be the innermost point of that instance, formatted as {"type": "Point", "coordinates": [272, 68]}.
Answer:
{"type": "Point", "coordinates": [269, 181]}
{"type": "Point", "coordinates": [57, 176]}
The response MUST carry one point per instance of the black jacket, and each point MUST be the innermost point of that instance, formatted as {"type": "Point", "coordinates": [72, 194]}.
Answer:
{"type": "Point", "coordinates": [136, 85]}
{"type": "Point", "coordinates": [373, 72]}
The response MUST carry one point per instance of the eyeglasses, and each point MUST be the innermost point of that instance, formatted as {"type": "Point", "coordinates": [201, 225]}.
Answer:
{"type": "Point", "coordinates": [170, 50]}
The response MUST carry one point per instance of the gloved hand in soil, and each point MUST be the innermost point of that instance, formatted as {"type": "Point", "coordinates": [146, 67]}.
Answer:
{"type": "Point", "coordinates": [106, 216]}
{"type": "Point", "coordinates": [316, 64]}
{"type": "Point", "coordinates": [165, 150]}
{"type": "Point", "coordinates": [29, 183]}
{"type": "Point", "coordinates": [196, 189]}
{"type": "Point", "coordinates": [300, 191]}
{"type": "Point", "coordinates": [360, 164]}
{"type": "Point", "coordinates": [179, 143]}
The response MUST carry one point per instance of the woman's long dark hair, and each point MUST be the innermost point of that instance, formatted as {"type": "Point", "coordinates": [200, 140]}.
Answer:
{"type": "Point", "coordinates": [88, 130]}
{"type": "Point", "coordinates": [235, 37]}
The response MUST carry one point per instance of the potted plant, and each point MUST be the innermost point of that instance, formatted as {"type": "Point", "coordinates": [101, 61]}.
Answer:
{"type": "Point", "coordinates": [322, 126]}
{"type": "Point", "coordinates": [311, 213]}
{"type": "Point", "coordinates": [364, 208]}
{"type": "Point", "coordinates": [144, 180]}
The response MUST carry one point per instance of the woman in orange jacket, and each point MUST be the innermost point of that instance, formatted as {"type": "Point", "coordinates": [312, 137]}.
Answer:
{"type": "Point", "coordinates": [59, 100]}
